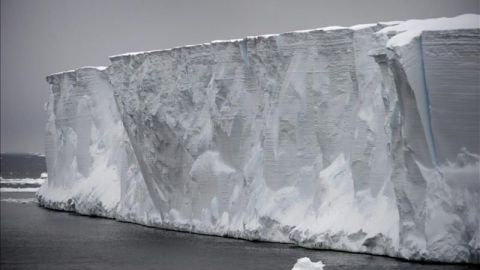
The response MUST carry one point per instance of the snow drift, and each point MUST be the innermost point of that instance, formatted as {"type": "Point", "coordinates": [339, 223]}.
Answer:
{"type": "Point", "coordinates": [362, 138]}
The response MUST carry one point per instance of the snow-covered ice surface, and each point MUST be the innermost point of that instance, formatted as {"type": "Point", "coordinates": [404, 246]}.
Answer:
{"type": "Point", "coordinates": [306, 264]}
{"type": "Point", "coordinates": [338, 137]}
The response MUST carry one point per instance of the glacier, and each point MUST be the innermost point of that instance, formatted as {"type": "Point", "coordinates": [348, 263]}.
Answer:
{"type": "Point", "coordinates": [361, 139]}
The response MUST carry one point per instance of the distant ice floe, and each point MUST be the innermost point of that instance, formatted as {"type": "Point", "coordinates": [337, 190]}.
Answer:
{"type": "Point", "coordinates": [19, 200]}
{"type": "Point", "coordinates": [21, 185]}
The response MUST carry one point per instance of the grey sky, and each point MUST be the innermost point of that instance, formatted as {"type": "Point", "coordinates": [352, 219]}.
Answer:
{"type": "Point", "coordinates": [39, 37]}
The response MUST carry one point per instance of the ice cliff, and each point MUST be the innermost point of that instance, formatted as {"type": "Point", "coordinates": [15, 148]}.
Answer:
{"type": "Point", "coordinates": [362, 138]}
{"type": "Point", "coordinates": [91, 164]}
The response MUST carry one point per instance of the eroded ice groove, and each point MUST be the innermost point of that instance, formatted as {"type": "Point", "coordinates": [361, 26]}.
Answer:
{"type": "Point", "coordinates": [360, 138]}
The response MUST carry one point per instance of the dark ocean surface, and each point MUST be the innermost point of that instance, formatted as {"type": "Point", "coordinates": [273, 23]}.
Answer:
{"type": "Point", "coordinates": [37, 238]}
{"type": "Point", "coordinates": [21, 165]}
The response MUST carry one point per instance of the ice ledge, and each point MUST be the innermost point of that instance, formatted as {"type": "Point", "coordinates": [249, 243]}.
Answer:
{"type": "Point", "coordinates": [51, 77]}
{"type": "Point", "coordinates": [403, 33]}
{"type": "Point", "coordinates": [264, 36]}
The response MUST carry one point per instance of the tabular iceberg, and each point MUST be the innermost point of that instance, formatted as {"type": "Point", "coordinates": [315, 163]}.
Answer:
{"type": "Point", "coordinates": [362, 138]}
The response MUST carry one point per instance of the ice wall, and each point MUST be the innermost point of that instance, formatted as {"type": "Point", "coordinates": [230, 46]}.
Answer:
{"type": "Point", "coordinates": [362, 138]}
{"type": "Point", "coordinates": [91, 164]}
{"type": "Point", "coordinates": [437, 79]}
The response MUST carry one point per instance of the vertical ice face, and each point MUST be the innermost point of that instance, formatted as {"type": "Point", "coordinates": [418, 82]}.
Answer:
{"type": "Point", "coordinates": [452, 78]}
{"type": "Point", "coordinates": [363, 139]}
{"type": "Point", "coordinates": [93, 169]}
{"type": "Point", "coordinates": [437, 78]}
{"type": "Point", "coordinates": [262, 137]}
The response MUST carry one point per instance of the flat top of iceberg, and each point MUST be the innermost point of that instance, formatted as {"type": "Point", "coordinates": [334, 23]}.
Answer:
{"type": "Point", "coordinates": [61, 72]}
{"type": "Point", "coordinates": [100, 68]}
{"type": "Point", "coordinates": [327, 28]}
{"type": "Point", "coordinates": [408, 30]}
{"type": "Point", "coordinates": [403, 32]}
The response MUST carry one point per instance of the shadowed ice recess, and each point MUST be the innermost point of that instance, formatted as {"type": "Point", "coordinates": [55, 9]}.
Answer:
{"type": "Point", "coordinates": [362, 138]}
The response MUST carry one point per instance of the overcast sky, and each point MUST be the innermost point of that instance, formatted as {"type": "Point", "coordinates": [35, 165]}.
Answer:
{"type": "Point", "coordinates": [39, 37]}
